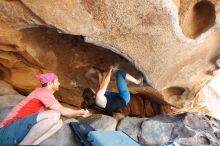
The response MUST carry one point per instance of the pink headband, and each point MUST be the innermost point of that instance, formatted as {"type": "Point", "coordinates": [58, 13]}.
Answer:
{"type": "Point", "coordinates": [45, 78]}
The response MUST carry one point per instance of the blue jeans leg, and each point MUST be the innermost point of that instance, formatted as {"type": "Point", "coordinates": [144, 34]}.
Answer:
{"type": "Point", "coordinates": [122, 85]}
{"type": "Point", "coordinates": [13, 133]}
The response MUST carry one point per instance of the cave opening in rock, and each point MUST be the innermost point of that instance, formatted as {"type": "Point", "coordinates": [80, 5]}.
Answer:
{"type": "Point", "coordinates": [70, 57]}
{"type": "Point", "coordinates": [175, 95]}
{"type": "Point", "coordinates": [199, 19]}
{"type": "Point", "coordinates": [44, 49]}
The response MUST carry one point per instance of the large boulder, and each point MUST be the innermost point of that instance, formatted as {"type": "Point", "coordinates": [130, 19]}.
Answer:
{"type": "Point", "coordinates": [131, 126]}
{"type": "Point", "coordinates": [101, 122]}
{"type": "Point", "coordinates": [183, 129]}
{"type": "Point", "coordinates": [197, 140]}
{"type": "Point", "coordinates": [63, 137]}
{"type": "Point", "coordinates": [160, 129]}
{"type": "Point", "coordinates": [147, 33]}
{"type": "Point", "coordinates": [172, 43]}
{"type": "Point", "coordinates": [151, 34]}
{"type": "Point", "coordinates": [191, 121]}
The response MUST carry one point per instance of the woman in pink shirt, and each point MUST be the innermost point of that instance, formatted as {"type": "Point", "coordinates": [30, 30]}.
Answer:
{"type": "Point", "coordinates": [37, 116]}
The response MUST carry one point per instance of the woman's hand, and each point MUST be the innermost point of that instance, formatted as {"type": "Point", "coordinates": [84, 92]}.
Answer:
{"type": "Point", "coordinates": [114, 67]}
{"type": "Point", "coordinates": [86, 113]}
{"type": "Point", "coordinates": [111, 67]}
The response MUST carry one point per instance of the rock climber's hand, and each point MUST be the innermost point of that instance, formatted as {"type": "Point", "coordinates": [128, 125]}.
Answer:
{"type": "Point", "coordinates": [86, 113]}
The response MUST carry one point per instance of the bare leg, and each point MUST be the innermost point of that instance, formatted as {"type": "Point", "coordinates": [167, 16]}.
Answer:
{"type": "Point", "coordinates": [45, 121]}
{"type": "Point", "coordinates": [49, 133]}
{"type": "Point", "coordinates": [128, 77]}
{"type": "Point", "coordinates": [132, 79]}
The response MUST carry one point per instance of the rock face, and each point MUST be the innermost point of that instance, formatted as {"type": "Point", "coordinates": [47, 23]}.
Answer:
{"type": "Point", "coordinates": [186, 129]}
{"type": "Point", "coordinates": [10, 100]}
{"type": "Point", "coordinates": [101, 122]}
{"type": "Point", "coordinates": [158, 131]}
{"type": "Point", "coordinates": [131, 126]}
{"type": "Point", "coordinates": [196, 17]}
{"type": "Point", "coordinates": [65, 60]}
{"type": "Point", "coordinates": [6, 89]}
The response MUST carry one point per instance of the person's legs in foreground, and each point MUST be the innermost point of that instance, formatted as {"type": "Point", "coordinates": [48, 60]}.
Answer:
{"type": "Point", "coordinates": [48, 122]}
{"type": "Point", "coordinates": [121, 78]}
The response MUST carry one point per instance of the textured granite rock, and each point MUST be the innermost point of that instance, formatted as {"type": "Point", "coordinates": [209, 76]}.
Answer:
{"type": "Point", "coordinates": [131, 126]}
{"type": "Point", "coordinates": [171, 42]}
{"type": "Point", "coordinates": [6, 89]}
{"type": "Point", "coordinates": [101, 122]}
{"type": "Point", "coordinates": [10, 100]}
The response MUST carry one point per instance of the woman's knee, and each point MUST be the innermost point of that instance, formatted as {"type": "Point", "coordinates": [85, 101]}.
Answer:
{"type": "Point", "coordinates": [59, 124]}
{"type": "Point", "coordinates": [55, 115]}
{"type": "Point", "coordinates": [50, 114]}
